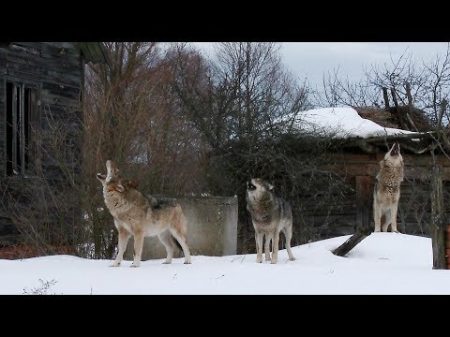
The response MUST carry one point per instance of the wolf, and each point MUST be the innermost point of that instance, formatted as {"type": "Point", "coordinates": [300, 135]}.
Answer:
{"type": "Point", "coordinates": [386, 194]}
{"type": "Point", "coordinates": [134, 214]}
{"type": "Point", "coordinates": [270, 215]}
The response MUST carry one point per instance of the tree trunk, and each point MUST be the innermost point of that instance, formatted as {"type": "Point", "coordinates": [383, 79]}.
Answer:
{"type": "Point", "coordinates": [394, 98]}
{"type": "Point", "coordinates": [386, 99]}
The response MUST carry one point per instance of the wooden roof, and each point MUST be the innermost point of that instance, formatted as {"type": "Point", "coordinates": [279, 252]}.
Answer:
{"type": "Point", "coordinates": [92, 51]}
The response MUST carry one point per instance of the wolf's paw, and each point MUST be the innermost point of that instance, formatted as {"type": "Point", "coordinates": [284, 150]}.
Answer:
{"type": "Point", "coordinates": [135, 265]}
{"type": "Point", "coordinates": [268, 258]}
{"type": "Point", "coordinates": [115, 264]}
{"type": "Point", "coordinates": [377, 231]}
{"type": "Point", "coordinates": [273, 262]}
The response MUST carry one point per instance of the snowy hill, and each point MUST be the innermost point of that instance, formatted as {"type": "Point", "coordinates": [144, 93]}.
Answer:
{"type": "Point", "coordinates": [384, 263]}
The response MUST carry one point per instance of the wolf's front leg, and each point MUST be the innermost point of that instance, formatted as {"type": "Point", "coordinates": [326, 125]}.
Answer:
{"type": "Point", "coordinates": [275, 241]}
{"type": "Point", "coordinates": [259, 246]}
{"type": "Point", "coordinates": [267, 246]}
{"type": "Point", "coordinates": [124, 236]}
{"type": "Point", "coordinates": [138, 244]}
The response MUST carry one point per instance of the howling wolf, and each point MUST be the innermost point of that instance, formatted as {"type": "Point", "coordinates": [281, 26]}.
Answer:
{"type": "Point", "coordinates": [270, 215]}
{"type": "Point", "coordinates": [139, 216]}
{"type": "Point", "coordinates": [386, 193]}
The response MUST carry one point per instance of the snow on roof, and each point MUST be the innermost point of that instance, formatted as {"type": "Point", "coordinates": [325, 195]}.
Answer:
{"type": "Point", "coordinates": [344, 122]}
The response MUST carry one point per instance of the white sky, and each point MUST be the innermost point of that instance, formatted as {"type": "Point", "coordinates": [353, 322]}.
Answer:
{"type": "Point", "coordinates": [314, 59]}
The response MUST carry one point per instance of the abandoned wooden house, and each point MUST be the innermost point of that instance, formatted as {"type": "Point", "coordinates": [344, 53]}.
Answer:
{"type": "Point", "coordinates": [357, 160]}
{"type": "Point", "coordinates": [41, 86]}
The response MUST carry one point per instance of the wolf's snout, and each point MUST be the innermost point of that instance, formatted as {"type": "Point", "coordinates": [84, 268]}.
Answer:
{"type": "Point", "coordinates": [101, 176]}
{"type": "Point", "coordinates": [395, 149]}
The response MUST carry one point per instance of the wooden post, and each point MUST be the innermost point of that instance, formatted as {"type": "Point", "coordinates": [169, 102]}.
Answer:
{"type": "Point", "coordinates": [447, 246]}
{"type": "Point", "coordinates": [437, 225]}
{"type": "Point", "coordinates": [364, 197]}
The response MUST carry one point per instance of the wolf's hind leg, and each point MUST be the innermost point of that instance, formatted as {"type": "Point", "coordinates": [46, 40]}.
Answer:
{"type": "Point", "coordinates": [288, 236]}
{"type": "Point", "coordinates": [167, 240]}
{"type": "Point", "coordinates": [182, 241]}
{"type": "Point", "coordinates": [377, 215]}
{"type": "Point", "coordinates": [394, 210]}
{"type": "Point", "coordinates": [387, 221]}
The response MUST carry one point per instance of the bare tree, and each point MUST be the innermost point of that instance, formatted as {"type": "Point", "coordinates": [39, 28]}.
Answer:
{"type": "Point", "coordinates": [243, 94]}
{"type": "Point", "coordinates": [245, 104]}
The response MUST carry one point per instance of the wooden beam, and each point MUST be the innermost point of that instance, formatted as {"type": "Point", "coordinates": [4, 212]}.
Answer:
{"type": "Point", "coordinates": [348, 245]}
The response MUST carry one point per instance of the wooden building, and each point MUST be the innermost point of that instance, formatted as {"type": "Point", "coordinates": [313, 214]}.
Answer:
{"type": "Point", "coordinates": [41, 85]}
{"type": "Point", "coordinates": [357, 160]}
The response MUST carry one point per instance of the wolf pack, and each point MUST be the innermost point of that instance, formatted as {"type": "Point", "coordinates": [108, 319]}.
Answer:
{"type": "Point", "coordinates": [142, 216]}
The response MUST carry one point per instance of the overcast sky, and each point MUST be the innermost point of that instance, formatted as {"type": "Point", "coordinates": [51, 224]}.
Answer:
{"type": "Point", "coordinates": [313, 59]}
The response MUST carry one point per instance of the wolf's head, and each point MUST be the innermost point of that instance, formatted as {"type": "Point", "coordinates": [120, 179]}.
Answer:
{"type": "Point", "coordinates": [393, 157]}
{"type": "Point", "coordinates": [256, 187]}
{"type": "Point", "coordinates": [112, 181]}
{"type": "Point", "coordinates": [394, 152]}
{"type": "Point", "coordinates": [395, 149]}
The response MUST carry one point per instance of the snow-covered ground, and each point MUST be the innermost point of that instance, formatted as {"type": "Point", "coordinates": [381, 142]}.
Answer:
{"type": "Point", "coordinates": [344, 122]}
{"type": "Point", "coordinates": [383, 263]}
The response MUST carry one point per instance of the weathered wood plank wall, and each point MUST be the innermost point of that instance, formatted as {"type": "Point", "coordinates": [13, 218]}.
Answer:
{"type": "Point", "coordinates": [56, 68]}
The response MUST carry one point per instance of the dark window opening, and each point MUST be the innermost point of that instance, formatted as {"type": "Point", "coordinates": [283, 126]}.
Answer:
{"type": "Point", "coordinates": [9, 129]}
{"type": "Point", "coordinates": [19, 121]}
{"type": "Point", "coordinates": [20, 102]}
{"type": "Point", "coordinates": [28, 102]}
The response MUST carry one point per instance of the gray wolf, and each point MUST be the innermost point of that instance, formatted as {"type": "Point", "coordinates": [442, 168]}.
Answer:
{"type": "Point", "coordinates": [134, 214]}
{"type": "Point", "coordinates": [270, 215]}
{"type": "Point", "coordinates": [386, 194]}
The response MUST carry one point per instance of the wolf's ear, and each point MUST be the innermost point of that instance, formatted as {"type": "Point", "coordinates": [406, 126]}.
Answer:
{"type": "Point", "coordinates": [270, 187]}
{"type": "Point", "coordinates": [101, 177]}
{"type": "Point", "coordinates": [119, 187]}
{"type": "Point", "coordinates": [132, 183]}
